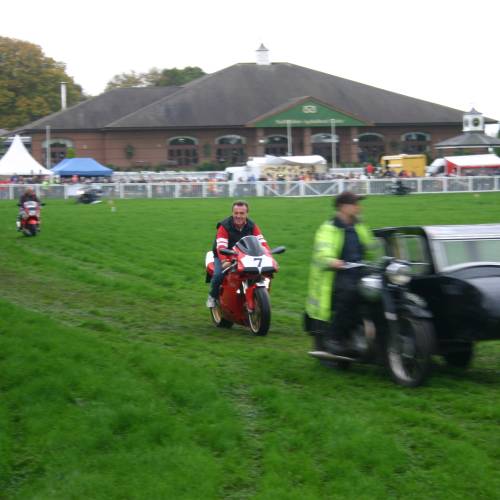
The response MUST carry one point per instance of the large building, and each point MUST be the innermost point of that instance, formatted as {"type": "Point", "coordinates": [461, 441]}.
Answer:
{"type": "Point", "coordinates": [245, 110]}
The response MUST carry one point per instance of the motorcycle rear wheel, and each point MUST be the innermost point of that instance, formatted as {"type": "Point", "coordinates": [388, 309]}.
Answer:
{"type": "Point", "coordinates": [409, 354]}
{"type": "Point", "coordinates": [217, 318]}
{"type": "Point", "coordinates": [259, 319]}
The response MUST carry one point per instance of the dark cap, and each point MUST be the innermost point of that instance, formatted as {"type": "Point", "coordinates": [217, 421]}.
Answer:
{"type": "Point", "coordinates": [347, 198]}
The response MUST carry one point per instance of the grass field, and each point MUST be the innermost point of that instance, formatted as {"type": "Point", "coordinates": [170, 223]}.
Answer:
{"type": "Point", "coordinates": [115, 384]}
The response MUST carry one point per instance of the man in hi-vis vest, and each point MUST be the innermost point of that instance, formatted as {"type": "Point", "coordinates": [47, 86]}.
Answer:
{"type": "Point", "coordinates": [332, 302]}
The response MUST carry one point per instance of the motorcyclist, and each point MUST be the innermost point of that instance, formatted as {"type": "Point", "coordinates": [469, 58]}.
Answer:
{"type": "Point", "coordinates": [229, 232]}
{"type": "Point", "coordinates": [332, 295]}
{"type": "Point", "coordinates": [28, 195]}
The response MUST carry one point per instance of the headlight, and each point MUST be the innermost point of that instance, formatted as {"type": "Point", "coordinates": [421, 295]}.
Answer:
{"type": "Point", "coordinates": [398, 273]}
{"type": "Point", "coordinates": [370, 287]}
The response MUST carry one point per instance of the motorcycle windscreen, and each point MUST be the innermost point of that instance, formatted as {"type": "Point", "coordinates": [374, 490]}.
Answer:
{"type": "Point", "coordinates": [251, 246]}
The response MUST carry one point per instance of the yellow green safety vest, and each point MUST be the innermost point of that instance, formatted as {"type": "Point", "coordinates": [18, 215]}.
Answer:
{"type": "Point", "coordinates": [328, 244]}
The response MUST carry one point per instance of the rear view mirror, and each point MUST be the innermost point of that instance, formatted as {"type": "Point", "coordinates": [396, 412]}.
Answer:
{"type": "Point", "coordinates": [279, 249]}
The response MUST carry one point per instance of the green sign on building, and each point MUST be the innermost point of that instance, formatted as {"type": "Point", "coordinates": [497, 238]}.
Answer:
{"type": "Point", "coordinates": [309, 113]}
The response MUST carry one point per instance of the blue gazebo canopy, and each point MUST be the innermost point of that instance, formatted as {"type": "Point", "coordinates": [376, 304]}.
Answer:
{"type": "Point", "coordinates": [86, 167]}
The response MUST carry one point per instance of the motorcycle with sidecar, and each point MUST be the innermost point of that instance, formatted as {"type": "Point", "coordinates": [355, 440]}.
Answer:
{"type": "Point", "coordinates": [436, 293]}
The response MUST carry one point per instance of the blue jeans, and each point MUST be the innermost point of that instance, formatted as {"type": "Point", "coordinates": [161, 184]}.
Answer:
{"type": "Point", "coordinates": [217, 278]}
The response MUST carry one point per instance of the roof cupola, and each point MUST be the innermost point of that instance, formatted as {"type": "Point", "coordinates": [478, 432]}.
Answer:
{"type": "Point", "coordinates": [262, 56]}
{"type": "Point", "coordinates": [473, 121]}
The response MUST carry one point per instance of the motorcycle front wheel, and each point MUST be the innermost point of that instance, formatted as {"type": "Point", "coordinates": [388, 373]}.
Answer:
{"type": "Point", "coordinates": [259, 319]}
{"type": "Point", "coordinates": [217, 318]}
{"type": "Point", "coordinates": [409, 353]}
{"type": "Point", "coordinates": [31, 229]}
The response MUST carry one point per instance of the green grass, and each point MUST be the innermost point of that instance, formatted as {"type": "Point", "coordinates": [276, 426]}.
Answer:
{"type": "Point", "coordinates": [114, 383]}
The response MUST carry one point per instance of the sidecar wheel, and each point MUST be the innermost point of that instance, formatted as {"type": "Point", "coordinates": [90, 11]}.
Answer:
{"type": "Point", "coordinates": [409, 354]}
{"type": "Point", "coordinates": [217, 318]}
{"type": "Point", "coordinates": [459, 356]}
{"type": "Point", "coordinates": [260, 319]}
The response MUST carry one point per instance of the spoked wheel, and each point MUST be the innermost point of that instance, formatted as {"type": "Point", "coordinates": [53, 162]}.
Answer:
{"type": "Point", "coordinates": [259, 319]}
{"type": "Point", "coordinates": [409, 353]}
{"type": "Point", "coordinates": [217, 318]}
{"type": "Point", "coordinates": [459, 355]}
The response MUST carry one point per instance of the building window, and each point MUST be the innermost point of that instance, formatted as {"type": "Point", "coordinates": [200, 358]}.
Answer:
{"type": "Point", "coordinates": [415, 142]}
{"type": "Point", "coordinates": [276, 145]}
{"type": "Point", "coordinates": [231, 150]}
{"type": "Point", "coordinates": [371, 147]}
{"type": "Point", "coordinates": [58, 150]}
{"type": "Point", "coordinates": [322, 145]}
{"type": "Point", "coordinates": [183, 151]}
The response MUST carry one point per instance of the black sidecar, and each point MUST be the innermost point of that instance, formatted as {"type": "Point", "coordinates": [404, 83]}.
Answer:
{"type": "Point", "coordinates": [456, 272]}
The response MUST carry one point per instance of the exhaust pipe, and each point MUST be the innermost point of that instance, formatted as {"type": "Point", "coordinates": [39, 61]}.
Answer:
{"type": "Point", "coordinates": [329, 356]}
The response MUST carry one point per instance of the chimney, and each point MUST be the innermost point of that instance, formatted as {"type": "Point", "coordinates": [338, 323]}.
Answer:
{"type": "Point", "coordinates": [63, 95]}
{"type": "Point", "coordinates": [262, 56]}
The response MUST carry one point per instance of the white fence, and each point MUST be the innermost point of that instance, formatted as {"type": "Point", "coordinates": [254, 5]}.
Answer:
{"type": "Point", "coordinates": [420, 185]}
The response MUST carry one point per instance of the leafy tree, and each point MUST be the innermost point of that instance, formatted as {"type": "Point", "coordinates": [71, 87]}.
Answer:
{"type": "Point", "coordinates": [131, 79]}
{"type": "Point", "coordinates": [30, 83]}
{"type": "Point", "coordinates": [173, 76]}
{"type": "Point", "coordinates": [155, 78]}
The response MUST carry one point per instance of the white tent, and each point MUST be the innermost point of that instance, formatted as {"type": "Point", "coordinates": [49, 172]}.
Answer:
{"type": "Point", "coordinates": [269, 160]}
{"type": "Point", "coordinates": [487, 160]}
{"type": "Point", "coordinates": [18, 161]}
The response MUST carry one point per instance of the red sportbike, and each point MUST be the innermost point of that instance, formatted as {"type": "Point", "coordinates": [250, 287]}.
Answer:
{"type": "Point", "coordinates": [29, 222]}
{"type": "Point", "coordinates": [244, 293]}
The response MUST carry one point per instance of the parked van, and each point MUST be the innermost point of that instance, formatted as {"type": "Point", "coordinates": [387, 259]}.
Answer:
{"type": "Point", "coordinates": [437, 167]}
{"type": "Point", "coordinates": [413, 165]}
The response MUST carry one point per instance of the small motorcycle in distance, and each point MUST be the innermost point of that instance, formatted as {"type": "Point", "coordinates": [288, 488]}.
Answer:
{"type": "Point", "coordinates": [244, 293]}
{"type": "Point", "coordinates": [29, 222]}
{"type": "Point", "coordinates": [398, 188]}
{"type": "Point", "coordinates": [394, 329]}
{"type": "Point", "coordinates": [89, 196]}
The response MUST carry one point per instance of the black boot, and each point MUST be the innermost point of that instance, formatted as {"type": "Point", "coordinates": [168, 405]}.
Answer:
{"type": "Point", "coordinates": [338, 346]}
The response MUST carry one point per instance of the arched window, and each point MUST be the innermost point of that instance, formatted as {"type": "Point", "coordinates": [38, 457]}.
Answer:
{"type": "Point", "coordinates": [230, 139]}
{"type": "Point", "coordinates": [415, 142]}
{"type": "Point", "coordinates": [371, 147]}
{"type": "Point", "coordinates": [231, 149]}
{"type": "Point", "coordinates": [276, 145]}
{"type": "Point", "coordinates": [58, 149]}
{"type": "Point", "coordinates": [319, 138]}
{"type": "Point", "coordinates": [322, 145]}
{"type": "Point", "coordinates": [183, 151]}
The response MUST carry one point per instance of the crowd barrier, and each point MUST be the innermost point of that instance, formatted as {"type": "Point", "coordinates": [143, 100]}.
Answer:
{"type": "Point", "coordinates": [420, 185]}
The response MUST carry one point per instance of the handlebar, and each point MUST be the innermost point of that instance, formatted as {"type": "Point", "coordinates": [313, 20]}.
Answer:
{"type": "Point", "coordinates": [380, 265]}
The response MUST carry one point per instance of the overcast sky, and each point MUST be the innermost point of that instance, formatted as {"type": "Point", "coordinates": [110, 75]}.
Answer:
{"type": "Point", "coordinates": [441, 51]}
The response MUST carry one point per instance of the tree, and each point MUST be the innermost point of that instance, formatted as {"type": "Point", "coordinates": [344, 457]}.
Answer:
{"type": "Point", "coordinates": [156, 78]}
{"type": "Point", "coordinates": [173, 76]}
{"type": "Point", "coordinates": [131, 79]}
{"type": "Point", "coordinates": [30, 83]}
